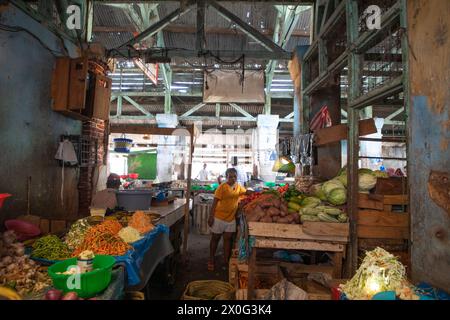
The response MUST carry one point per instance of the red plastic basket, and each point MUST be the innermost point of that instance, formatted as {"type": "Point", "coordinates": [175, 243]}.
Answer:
{"type": "Point", "coordinates": [3, 197]}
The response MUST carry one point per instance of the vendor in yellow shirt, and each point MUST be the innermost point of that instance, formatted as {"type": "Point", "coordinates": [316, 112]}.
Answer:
{"type": "Point", "coordinates": [222, 219]}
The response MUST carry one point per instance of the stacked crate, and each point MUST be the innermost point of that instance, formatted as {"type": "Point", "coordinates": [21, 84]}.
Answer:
{"type": "Point", "coordinates": [383, 221]}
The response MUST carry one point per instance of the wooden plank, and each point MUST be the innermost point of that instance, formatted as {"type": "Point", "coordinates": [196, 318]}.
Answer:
{"type": "Point", "coordinates": [44, 225]}
{"type": "Point", "coordinates": [382, 232]}
{"type": "Point", "coordinates": [57, 226]}
{"type": "Point", "coordinates": [241, 294]}
{"type": "Point", "coordinates": [391, 186]}
{"type": "Point", "coordinates": [148, 130]}
{"type": "Point", "coordinates": [387, 244]}
{"type": "Point", "coordinates": [298, 245]}
{"type": "Point", "coordinates": [326, 228]}
{"type": "Point", "coordinates": [315, 290]}
{"type": "Point", "coordinates": [288, 231]}
{"type": "Point", "coordinates": [78, 83]}
{"type": "Point", "coordinates": [400, 199]}
{"type": "Point", "coordinates": [365, 202]}
{"type": "Point", "coordinates": [381, 218]}
{"type": "Point", "coordinates": [251, 275]}
{"type": "Point", "coordinates": [102, 97]}
{"type": "Point", "coordinates": [337, 262]}
{"type": "Point", "coordinates": [60, 84]}
{"type": "Point", "coordinates": [297, 269]}
{"type": "Point", "coordinates": [340, 132]}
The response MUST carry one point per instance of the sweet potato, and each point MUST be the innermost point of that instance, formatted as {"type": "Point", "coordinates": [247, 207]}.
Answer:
{"type": "Point", "coordinates": [283, 207]}
{"type": "Point", "coordinates": [283, 220]}
{"type": "Point", "coordinates": [266, 204]}
{"type": "Point", "coordinates": [290, 218]}
{"type": "Point", "coordinates": [252, 217]}
{"type": "Point", "coordinates": [276, 203]}
{"type": "Point", "coordinates": [275, 218]}
{"type": "Point", "coordinates": [266, 219]}
{"type": "Point", "coordinates": [272, 211]}
{"type": "Point", "coordinates": [284, 213]}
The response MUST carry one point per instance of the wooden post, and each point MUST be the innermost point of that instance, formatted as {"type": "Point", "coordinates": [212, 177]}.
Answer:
{"type": "Point", "coordinates": [251, 275]}
{"type": "Point", "coordinates": [354, 81]}
{"type": "Point", "coordinates": [188, 195]}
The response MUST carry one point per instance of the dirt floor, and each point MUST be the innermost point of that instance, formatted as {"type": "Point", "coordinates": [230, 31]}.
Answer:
{"type": "Point", "coordinates": [194, 269]}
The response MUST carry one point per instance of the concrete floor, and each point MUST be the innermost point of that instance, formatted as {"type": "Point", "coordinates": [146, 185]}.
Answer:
{"type": "Point", "coordinates": [196, 268]}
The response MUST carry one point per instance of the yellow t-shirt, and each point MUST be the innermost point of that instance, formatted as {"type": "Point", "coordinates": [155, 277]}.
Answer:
{"type": "Point", "coordinates": [228, 197]}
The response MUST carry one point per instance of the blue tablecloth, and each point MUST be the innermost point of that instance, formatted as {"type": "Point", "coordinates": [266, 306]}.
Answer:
{"type": "Point", "coordinates": [132, 260]}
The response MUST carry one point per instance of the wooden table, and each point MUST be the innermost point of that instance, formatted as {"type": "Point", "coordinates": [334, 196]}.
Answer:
{"type": "Point", "coordinates": [315, 236]}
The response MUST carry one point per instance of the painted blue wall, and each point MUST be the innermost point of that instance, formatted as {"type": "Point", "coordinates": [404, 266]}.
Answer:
{"type": "Point", "coordinates": [29, 129]}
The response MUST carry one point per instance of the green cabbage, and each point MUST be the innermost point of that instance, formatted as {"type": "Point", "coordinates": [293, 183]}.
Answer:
{"type": "Point", "coordinates": [365, 170]}
{"type": "Point", "coordinates": [366, 181]}
{"type": "Point", "coordinates": [337, 196]}
{"type": "Point", "coordinates": [343, 179]}
{"type": "Point", "coordinates": [328, 186]}
{"type": "Point", "coordinates": [310, 202]}
{"type": "Point", "coordinates": [381, 174]}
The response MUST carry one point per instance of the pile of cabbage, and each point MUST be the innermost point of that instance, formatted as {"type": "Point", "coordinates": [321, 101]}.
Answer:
{"type": "Point", "coordinates": [334, 191]}
{"type": "Point", "coordinates": [379, 271]}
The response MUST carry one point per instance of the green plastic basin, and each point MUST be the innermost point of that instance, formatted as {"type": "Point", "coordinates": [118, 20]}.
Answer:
{"type": "Point", "coordinates": [90, 283]}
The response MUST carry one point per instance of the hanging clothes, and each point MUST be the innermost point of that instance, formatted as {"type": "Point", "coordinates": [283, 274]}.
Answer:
{"type": "Point", "coordinates": [65, 153]}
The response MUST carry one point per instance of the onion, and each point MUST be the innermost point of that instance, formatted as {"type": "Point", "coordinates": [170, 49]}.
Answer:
{"type": "Point", "coordinates": [7, 260]}
{"type": "Point", "coordinates": [70, 296]}
{"type": "Point", "coordinates": [53, 294]}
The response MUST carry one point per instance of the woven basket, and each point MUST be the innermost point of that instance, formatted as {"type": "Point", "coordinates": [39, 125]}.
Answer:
{"type": "Point", "coordinates": [209, 290]}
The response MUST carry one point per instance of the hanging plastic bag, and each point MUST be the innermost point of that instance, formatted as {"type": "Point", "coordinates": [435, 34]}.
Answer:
{"type": "Point", "coordinates": [65, 153]}
{"type": "Point", "coordinates": [321, 120]}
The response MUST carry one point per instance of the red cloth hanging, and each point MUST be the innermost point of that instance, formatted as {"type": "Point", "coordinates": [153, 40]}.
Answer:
{"type": "Point", "coordinates": [321, 120]}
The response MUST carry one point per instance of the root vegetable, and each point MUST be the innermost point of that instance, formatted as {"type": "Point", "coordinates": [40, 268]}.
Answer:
{"type": "Point", "coordinates": [290, 218]}
{"type": "Point", "coordinates": [7, 260]}
{"type": "Point", "coordinates": [273, 211]}
{"type": "Point", "coordinates": [275, 218]}
{"type": "Point", "coordinates": [70, 296]}
{"type": "Point", "coordinates": [267, 219]}
{"type": "Point", "coordinates": [53, 294]}
{"type": "Point", "coordinates": [283, 220]}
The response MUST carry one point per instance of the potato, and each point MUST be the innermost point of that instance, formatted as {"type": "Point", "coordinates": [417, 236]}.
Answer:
{"type": "Point", "coordinates": [275, 218]}
{"type": "Point", "coordinates": [297, 218]}
{"type": "Point", "coordinates": [283, 220]}
{"type": "Point", "coordinates": [266, 219]}
{"type": "Point", "coordinates": [284, 207]}
{"type": "Point", "coordinates": [276, 203]}
{"type": "Point", "coordinates": [272, 211]}
{"type": "Point", "coordinates": [265, 204]}
{"type": "Point", "coordinates": [290, 218]}
{"type": "Point", "coordinates": [283, 213]}
{"type": "Point", "coordinates": [259, 211]}
{"type": "Point", "coordinates": [253, 217]}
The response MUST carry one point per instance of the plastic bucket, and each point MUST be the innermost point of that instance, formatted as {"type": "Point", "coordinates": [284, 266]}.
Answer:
{"type": "Point", "coordinates": [132, 200]}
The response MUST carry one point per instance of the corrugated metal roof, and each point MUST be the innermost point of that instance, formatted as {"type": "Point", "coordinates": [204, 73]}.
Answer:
{"type": "Point", "coordinates": [259, 15]}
